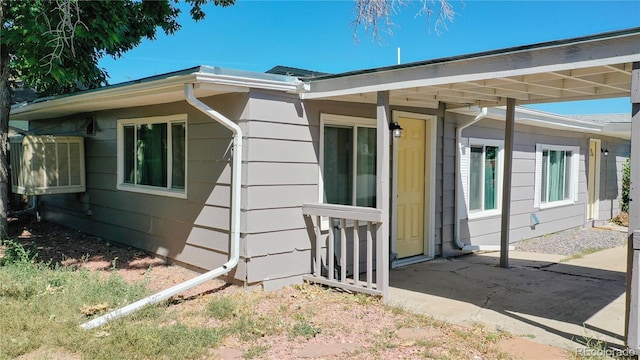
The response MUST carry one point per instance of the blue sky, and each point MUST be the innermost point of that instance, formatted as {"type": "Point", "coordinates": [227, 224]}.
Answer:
{"type": "Point", "coordinates": [318, 35]}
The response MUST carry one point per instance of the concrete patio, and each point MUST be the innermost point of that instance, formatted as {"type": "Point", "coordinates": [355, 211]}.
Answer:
{"type": "Point", "coordinates": [545, 298]}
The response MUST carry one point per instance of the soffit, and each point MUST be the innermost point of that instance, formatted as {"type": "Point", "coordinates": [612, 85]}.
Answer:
{"type": "Point", "coordinates": [594, 67]}
{"type": "Point", "coordinates": [161, 89]}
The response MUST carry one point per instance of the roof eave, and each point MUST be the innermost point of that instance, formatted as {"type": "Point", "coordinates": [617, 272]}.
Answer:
{"type": "Point", "coordinates": [150, 89]}
{"type": "Point", "coordinates": [547, 120]}
{"type": "Point", "coordinates": [612, 48]}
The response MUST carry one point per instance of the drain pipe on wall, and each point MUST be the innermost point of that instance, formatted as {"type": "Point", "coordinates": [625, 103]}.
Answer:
{"type": "Point", "coordinates": [458, 191]}
{"type": "Point", "coordinates": [235, 223]}
{"type": "Point", "coordinates": [33, 208]}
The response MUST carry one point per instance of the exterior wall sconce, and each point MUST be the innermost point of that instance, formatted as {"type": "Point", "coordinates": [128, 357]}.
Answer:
{"type": "Point", "coordinates": [605, 152]}
{"type": "Point", "coordinates": [396, 129]}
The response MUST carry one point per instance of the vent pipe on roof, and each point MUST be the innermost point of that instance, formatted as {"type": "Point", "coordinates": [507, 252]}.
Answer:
{"type": "Point", "coordinates": [235, 223]}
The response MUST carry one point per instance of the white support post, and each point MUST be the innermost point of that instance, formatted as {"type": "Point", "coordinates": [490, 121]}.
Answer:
{"type": "Point", "coordinates": [632, 321]}
{"type": "Point", "coordinates": [382, 193]}
{"type": "Point", "coordinates": [506, 182]}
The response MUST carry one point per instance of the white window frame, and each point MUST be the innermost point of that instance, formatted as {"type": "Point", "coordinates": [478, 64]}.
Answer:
{"type": "Point", "coordinates": [147, 189]}
{"type": "Point", "coordinates": [574, 176]}
{"type": "Point", "coordinates": [466, 164]}
{"type": "Point", "coordinates": [341, 120]}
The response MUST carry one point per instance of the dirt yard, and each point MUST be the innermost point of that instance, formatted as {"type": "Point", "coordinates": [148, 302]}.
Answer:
{"type": "Point", "coordinates": [345, 325]}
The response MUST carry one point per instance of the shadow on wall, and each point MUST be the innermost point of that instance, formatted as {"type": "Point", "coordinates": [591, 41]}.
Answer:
{"type": "Point", "coordinates": [611, 179]}
{"type": "Point", "coordinates": [193, 231]}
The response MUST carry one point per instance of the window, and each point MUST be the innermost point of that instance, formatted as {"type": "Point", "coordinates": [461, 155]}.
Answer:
{"type": "Point", "coordinates": [152, 155]}
{"type": "Point", "coordinates": [482, 176]}
{"type": "Point", "coordinates": [556, 175]}
{"type": "Point", "coordinates": [348, 160]}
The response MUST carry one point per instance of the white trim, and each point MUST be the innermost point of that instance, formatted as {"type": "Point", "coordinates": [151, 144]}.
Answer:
{"type": "Point", "coordinates": [410, 261]}
{"type": "Point", "coordinates": [338, 120]}
{"type": "Point", "coordinates": [228, 80]}
{"type": "Point", "coordinates": [574, 176]}
{"type": "Point", "coordinates": [146, 189]}
{"type": "Point", "coordinates": [596, 184]}
{"type": "Point", "coordinates": [537, 187]}
{"type": "Point", "coordinates": [430, 191]}
{"type": "Point", "coordinates": [354, 86]}
{"type": "Point", "coordinates": [477, 214]}
{"type": "Point", "coordinates": [394, 200]}
{"type": "Point", "coordinates": [463, 153]}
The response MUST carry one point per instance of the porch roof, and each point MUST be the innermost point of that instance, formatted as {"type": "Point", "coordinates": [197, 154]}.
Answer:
{"type": "Point", "coordinates": [591, 67]}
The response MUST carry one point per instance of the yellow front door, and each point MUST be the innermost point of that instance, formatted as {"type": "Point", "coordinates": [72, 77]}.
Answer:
{"type": "Point", "coordinates": [411, 188]}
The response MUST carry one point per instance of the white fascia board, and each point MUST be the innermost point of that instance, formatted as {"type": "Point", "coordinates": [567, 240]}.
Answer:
{"type": "Point", "coordinates": [556, 119]}
{"type": "Point", "coordinates": [100, 99]}
{"type": "Point", "coordinates": [536, 118]}
{"type": "Point", "coordinates": [247, 82]}
{"type": "Point", "coordinates": [100, 95]}
{"type": "Point", "coordinates": [393, 79]}
{"type": "Point", "coordinates": [568, 55]}
{"type": "Point", "coordinates": [619, 130]}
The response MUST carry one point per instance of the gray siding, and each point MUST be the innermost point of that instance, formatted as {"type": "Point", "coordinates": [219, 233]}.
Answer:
{"type": "Point", "coordinates": [611, 177]}
{"type": "Point", "coordinates": [486, 230]}
{"type": "Point", "coordinates": [193, 231]}
{"type": "Point", "coordinates": [280, 173]}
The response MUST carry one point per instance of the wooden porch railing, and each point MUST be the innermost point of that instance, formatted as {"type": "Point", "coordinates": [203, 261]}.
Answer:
{"type": "Point", "coordinates": [353, 217]}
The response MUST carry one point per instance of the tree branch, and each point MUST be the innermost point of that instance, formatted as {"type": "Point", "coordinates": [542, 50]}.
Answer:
{"type": "Point", "coordinates": [64, 33]}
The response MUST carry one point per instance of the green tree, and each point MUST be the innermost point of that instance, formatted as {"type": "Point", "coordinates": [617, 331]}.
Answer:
{"type": "Point", "coordinates": [626, 182]}
{"type": "Point", "coordinates": [54, 46]}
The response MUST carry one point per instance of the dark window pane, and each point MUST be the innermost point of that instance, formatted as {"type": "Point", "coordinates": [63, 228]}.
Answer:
{"type": "Point", "coordinates": [152, 155]}
{"type": "Point", "coordinates": [129, 151]}
{"type": "Point", "coordinates": [178, 149]}
{"type": "Point", "coordinates": [490, 178]}
{"type": "Point", "coordinates": [366, 172]}
{"type": "Point", "coordinates": [475, 178]}
{"type": "Point", "coordinates": [545, 165]}
{"type": "Point", "coordinates": [338, 165]}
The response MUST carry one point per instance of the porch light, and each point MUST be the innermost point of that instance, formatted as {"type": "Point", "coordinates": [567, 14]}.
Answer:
{"type": "Point", "coordinates": [605, 152]}
{"type": "Point", "coordinates": [396, 129]}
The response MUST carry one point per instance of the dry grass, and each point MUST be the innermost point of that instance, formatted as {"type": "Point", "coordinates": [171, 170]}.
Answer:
{"type": "Point", "coordinates": [44, 299]}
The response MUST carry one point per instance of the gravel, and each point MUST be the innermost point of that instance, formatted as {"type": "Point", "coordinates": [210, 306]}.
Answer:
{"type": "Point", "coordinates": [573, 241]}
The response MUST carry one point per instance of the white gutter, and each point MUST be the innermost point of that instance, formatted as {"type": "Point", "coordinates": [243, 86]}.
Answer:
{"type": "Point", "coordinates": [235, 223]}
{"type": "Point", "coordinates": [458, 191]}
{"type": "Point", "coordinates": [458, 177]}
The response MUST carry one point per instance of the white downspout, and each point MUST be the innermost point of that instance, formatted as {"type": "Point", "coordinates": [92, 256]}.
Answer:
{"type": "Point", "coordinates": [235, 223]}
{"type": "Point", "coordinates": [458, 191]}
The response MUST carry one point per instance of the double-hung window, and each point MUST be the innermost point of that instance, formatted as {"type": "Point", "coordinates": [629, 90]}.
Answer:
{"type": "Point", "coordinates": [348, 160]}
{"type": "Point", "coordinates": [152, 155]}
{"type": "Point", "coordinates": [482, 176]}
{"type": "Point", "coordinates": [556, 175]}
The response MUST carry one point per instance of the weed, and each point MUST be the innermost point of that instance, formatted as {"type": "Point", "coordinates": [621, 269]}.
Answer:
{"type": "Point", "coordinates": [15, 252]}
{"type": "Point", "coordinates": [114, 265]}
{"type": "Point", "coordinates": [581, 254]}
{"type": "Point", "coordinates": [249, 328]}
{"type": "Point", "coordinates": [305, 329]}
{"type": "Point", "coordinates": [223, 308]}
{"type": "Point", "coordinates": [364, 299]}
{"type": "Point", "coordinates": [255, 351]}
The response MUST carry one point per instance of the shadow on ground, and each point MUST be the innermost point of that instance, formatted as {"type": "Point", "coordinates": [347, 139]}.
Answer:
{"type": "Point", "coordinates": [547, 299]}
